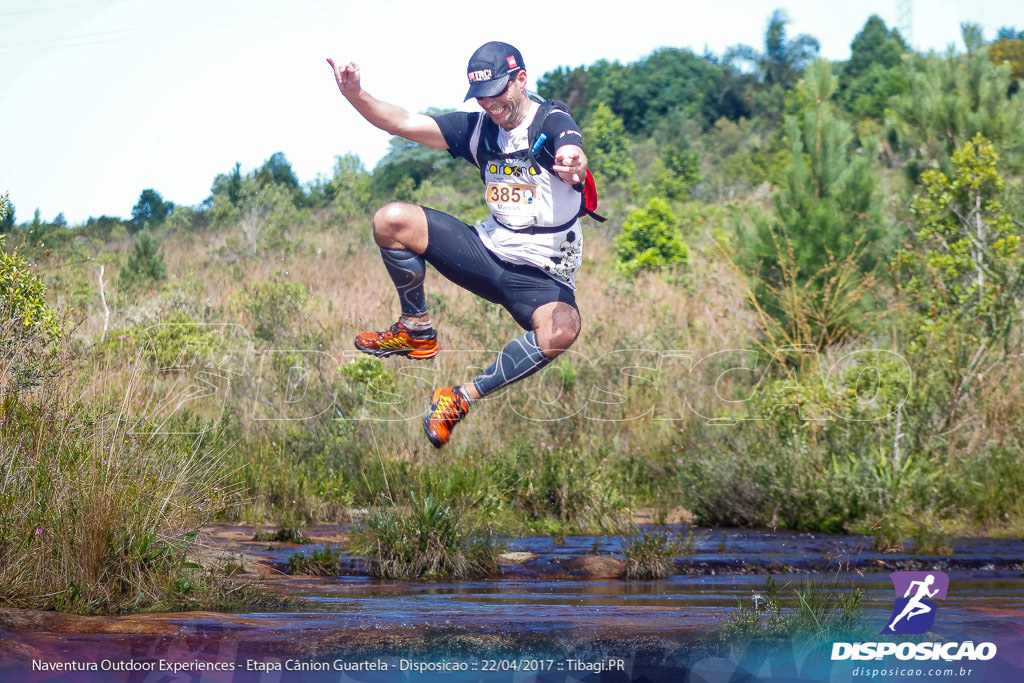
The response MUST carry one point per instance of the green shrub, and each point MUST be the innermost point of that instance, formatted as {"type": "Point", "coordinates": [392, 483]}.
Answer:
{"type": "Point", "coordinates": [178, 341]}
{"type": "Point", "coordinates": [326, 562]}
{"type": "Point", "coordinates": [282, 534]}
{"type": "Point", "coordinates": [31, 331]}
{"type": "Point", "coordinates": [146, 262]}
{"type": "Point", "coordinates": [367, 371]}
{"type": "Point", "coordinates": [23, 305]}
{"type": "Point", "coordinates": [293, 477]}
{"type": "Point", "coordinates": [561, 491]}
{"type": "Point", "coordinates": [429, 540]}
{"type": "Point", "coordinates": [274, 307]}
{"type": "Point", "coordinates": [650, 556]}
{"type": "Point", "coordinates": [823, 610]}
{"type": "Point", "coordinates": [650, 240]}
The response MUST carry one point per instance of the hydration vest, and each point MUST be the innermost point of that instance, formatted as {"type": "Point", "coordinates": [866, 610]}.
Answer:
{"type": "Point", "coordinates": [538, 154]}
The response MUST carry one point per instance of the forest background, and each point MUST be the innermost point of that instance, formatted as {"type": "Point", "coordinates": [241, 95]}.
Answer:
{"type": "Point", "coordinates": [804, 312]}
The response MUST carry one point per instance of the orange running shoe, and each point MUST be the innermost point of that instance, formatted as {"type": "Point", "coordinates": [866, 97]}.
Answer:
{"type": "Point", "coordinates": [398, 340]}
{"type": "Point", "coordinates": [447, 407]}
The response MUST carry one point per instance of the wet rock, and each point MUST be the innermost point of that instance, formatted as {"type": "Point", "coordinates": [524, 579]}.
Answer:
{"type": "Point", "coordinates": [676, 515]}
{"type": "Point", "coordinates": [11, 650]}
{"type": "Point", "coordinates": [232, 563]}
{"type": "Point", "coordinates": [515, 558]}
{"type": "Point", "coordinates": [59, 622]}
{"type": "Point", "coordinates": [595, 567]}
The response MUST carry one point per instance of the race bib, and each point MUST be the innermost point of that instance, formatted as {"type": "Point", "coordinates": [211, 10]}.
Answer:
{"type": "Point", "coordinates": [506, 199]}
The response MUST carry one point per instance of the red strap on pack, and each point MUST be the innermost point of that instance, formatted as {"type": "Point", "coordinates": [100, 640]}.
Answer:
{"type": "Point", "coordinates": [590, 192]}
{"type": "Point", "coordinates": [588, 205]}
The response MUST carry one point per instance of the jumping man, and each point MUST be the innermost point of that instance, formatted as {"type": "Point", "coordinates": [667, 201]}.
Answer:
{"type": "Point", "coordinates": [523, 257]}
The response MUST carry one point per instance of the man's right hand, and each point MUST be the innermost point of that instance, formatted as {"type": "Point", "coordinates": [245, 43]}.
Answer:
{"type": "Point", "coordinates": [388, 117]}
{"type": "Point", "coordinates": [347, 76]}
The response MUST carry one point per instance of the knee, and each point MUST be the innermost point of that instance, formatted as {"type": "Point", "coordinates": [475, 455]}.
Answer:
{"type": "Point", "coordinates": [401, 226]}
{"type": "Point", "coordinates": [560, 335]}
{"type": "Point", "coordinates": [389, 221]}
{"type": "Point", "coordinates": [560, 341]}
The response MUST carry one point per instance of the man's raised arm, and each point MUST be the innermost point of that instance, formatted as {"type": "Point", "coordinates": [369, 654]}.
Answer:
{"type": "Point", "coordinates": [388, 117]}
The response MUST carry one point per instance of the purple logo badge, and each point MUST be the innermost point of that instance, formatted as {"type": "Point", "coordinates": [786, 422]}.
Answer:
{"type": "Point", "coordinates": [916, 592]}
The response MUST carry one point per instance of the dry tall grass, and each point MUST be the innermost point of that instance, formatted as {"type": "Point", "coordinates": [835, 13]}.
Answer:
{"type": "Point", "coordinates": [97, 512]}
{"type": "Point", "coordinates": [670, 395]}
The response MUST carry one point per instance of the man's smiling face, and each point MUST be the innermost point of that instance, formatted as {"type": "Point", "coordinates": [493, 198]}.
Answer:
{"type": "Point", "coordinates": [509, 108]}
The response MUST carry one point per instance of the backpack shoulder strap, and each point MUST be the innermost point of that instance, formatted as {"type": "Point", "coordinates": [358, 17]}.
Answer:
{"type": "Point", "coordinates": [538, 121]}
{"type": "Point", "coordinates": [474, 139]}
{"type": "Point", "coordinates": [587, 188]}
{"type": "Point", "coordinates": [541, 153]}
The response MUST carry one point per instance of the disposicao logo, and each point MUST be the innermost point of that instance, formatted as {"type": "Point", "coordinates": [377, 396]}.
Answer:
{"type": "Point", "coordinates": [914, 614]}
{"type": "Point", "coordinates": [916, 592]}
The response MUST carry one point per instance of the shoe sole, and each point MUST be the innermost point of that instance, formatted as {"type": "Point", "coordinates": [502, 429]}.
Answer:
{"type": "Point", "coordinates": [434, 440]}
{"type": "Point", "coordinates": [416, 354]}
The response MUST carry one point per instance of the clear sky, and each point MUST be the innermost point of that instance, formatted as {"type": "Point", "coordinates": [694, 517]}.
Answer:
{"type": "Point", "coordinates": [100, 99]}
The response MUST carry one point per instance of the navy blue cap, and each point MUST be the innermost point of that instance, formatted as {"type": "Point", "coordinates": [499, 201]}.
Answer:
{"type": "Point", "coordinates": [491, 67]}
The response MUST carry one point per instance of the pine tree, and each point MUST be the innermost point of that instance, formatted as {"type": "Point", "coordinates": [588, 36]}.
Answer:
{"type": "Point", "coordinates": [829, 202]}
{"type": "Point", "coordinates": [952, 99]}
{"type": "Point", "coordinates": [875, 72]}
{"type": "Point", "coordinates": [146, 263]}
{"type": "Point", "coordinates": [6, 214]}
{"type": "Point", "coordinates": [826, 229]}
{"type": "Point", "coordinates": [149, 212]}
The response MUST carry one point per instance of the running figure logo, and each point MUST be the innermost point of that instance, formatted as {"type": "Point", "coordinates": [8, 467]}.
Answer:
{"type": "Point", "coordinates": [914, 612]}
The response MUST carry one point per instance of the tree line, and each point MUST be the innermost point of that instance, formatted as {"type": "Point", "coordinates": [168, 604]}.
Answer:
{"type": "Point", "coordinates": [678, 97]}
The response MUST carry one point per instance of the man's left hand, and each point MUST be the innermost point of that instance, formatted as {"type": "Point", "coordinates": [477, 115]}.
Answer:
{"type": "Point", "coordinates": [570, 164]}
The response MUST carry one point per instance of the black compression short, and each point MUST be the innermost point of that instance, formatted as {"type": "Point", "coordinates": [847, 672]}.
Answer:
{"type": "Point", "coordinates": [455, 250]}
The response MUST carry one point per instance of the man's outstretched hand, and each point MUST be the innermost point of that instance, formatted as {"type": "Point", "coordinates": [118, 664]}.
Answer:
{"type": "Point", "coordinates": [347, 76]}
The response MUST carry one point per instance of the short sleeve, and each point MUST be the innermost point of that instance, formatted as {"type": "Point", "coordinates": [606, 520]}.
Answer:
{"type": "Point", "coordinates": [560, 130]}
{"type": "Point", "coordinates": [457, 128]}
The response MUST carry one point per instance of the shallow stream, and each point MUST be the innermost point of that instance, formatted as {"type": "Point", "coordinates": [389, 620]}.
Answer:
{"type": "Point", "coordinates": [724, 569]}
{"type": "Point", "coordinates": [539, 608]}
